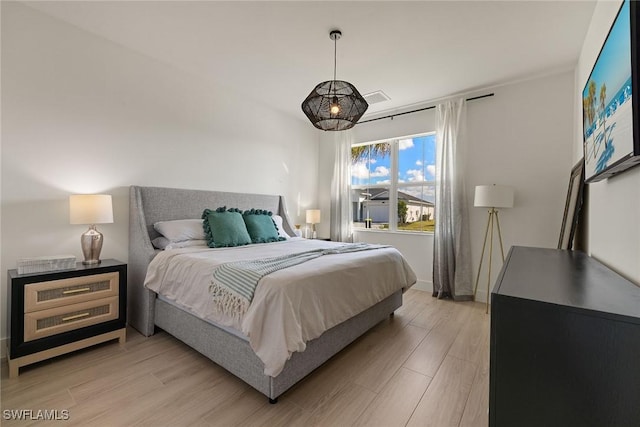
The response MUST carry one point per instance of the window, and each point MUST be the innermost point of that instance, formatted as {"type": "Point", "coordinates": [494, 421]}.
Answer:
{"type": "Point", "coordinates": [393, 184]}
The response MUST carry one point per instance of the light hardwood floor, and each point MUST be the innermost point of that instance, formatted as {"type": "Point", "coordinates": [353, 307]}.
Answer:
{"type": "Point", "coordinates": [426, 366]}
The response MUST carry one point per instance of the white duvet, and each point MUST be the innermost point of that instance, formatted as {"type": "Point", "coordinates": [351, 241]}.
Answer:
{"type": "Point", "coordinates": [290, 306]}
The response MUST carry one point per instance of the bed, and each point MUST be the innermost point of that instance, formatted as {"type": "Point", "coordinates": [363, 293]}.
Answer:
{"type": "Point", "coordinates": [227, 346]}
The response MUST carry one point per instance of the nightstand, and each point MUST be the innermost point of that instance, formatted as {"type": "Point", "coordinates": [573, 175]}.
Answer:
{"type": "Point", "coordinates": [58, 312]}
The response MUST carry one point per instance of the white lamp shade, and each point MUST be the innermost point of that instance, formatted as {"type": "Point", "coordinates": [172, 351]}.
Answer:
{"type": "Point", "coordinates": [313, 216]}
{"type": "Point", "coordinates": [493, 196]}
{"type": "Point", "coordinates": [90, 209]}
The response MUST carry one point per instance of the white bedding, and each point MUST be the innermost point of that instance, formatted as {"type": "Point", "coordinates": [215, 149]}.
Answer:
{"type": "Point", "coordinates": [290, 306]}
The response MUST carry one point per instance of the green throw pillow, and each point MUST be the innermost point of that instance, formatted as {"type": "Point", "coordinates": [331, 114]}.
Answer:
{"type": "Point", "coordinates": [224, 227]}
{"type": "Point", "coordinates": [260, 226]}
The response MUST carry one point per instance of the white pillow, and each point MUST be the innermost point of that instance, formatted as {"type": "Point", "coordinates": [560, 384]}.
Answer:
{"type": "Point", "coordinates": [166, 244]}
{"type": "Point", "coordinates": [181, 229]}
{"type": "Point", "coordinates": [278, 220]}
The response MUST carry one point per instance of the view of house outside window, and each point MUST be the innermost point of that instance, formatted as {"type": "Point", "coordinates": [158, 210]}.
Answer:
{"type": "Point", "coordinates": [393, 184]}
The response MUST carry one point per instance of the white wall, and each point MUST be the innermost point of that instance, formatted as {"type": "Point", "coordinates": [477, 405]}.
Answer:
{"type": "Point", "coordinates": [613, 234]}
{"type": "Point", "coordinates": [84, 115]}
{"type": "Point", "coordinates": [518, 137]}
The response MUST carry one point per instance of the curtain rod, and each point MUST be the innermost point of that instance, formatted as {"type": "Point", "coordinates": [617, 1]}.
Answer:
{"type": "Point", "coordinates": [421, 109]}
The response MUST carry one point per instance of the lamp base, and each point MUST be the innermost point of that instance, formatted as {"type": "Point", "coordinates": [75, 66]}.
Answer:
{"type": "Point", "coordinates": [91, 242]}
{"type": "Point", "coordinates": [493, 217]}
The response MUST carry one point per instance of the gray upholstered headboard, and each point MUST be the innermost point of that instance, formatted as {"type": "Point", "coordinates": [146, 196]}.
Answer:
{"type": "Point", "coordinates": [148, 205]}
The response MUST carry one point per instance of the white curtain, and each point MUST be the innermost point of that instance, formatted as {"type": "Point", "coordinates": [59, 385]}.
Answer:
{"type": "Point", "coordinates": [452, 275]}
{"type": "Point", "coordinates": [340, 230]}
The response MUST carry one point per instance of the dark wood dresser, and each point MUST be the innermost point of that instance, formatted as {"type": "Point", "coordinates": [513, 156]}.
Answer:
{"type": "Point", "coordinates": [565, 343]}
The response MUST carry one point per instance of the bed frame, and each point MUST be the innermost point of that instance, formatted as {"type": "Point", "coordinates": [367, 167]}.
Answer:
{"type": "Point", "coordinates": [152, 204]}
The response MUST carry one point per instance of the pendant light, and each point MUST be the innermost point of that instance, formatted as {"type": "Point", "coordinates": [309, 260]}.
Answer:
{"type": "Point", "coordinates": [334, 104]}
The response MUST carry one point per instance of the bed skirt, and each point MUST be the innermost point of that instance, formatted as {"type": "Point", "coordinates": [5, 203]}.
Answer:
{"type": "Point", "coordinates": [236, 356]}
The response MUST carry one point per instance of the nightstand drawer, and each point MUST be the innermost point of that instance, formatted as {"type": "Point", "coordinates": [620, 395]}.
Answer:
{"type": "Point", "coordinates": [58, 293]}
{"type": "Point", "coordinates": [43, 323]}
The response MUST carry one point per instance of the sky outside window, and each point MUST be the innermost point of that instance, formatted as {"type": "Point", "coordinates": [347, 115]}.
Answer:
{"type": "Point", "coordinates": [416, 159]}
{"type": "Point", "coordinates": [416, 163]}
{"type": "Point", "coordinates": [372, 167]}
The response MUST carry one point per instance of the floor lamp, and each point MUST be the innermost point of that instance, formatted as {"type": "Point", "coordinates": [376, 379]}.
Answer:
{"type": "Point", "coordinates": [492, 197]}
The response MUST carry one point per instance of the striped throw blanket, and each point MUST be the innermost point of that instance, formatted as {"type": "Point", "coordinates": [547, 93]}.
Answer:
{"type": "Point", "coordinates": [234, 283]}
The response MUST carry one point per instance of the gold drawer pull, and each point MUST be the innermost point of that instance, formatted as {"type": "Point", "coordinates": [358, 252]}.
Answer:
{"type": "Point", "coordinates": [75, 291]}
{"type": "Point", "coordinates": [76, 316]}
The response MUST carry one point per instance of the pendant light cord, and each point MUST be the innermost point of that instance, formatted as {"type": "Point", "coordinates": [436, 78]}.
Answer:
{"type": "Point", "coordinates": [335, 55]}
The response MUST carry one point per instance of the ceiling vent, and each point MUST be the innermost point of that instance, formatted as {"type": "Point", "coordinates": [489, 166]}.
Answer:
{"type": "Point", "coordinates": [376, 97]}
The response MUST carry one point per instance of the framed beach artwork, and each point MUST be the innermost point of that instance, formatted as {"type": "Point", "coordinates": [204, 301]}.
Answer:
{"type": "Point", "coordinates": [610, 100]}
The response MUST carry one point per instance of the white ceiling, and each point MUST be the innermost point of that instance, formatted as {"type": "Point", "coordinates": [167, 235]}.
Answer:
{"type": "Point", "coordinates": [278, 51]}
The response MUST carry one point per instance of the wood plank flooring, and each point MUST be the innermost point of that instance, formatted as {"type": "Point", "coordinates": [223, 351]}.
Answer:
{"type": "Point", "coordinates": [426, 366]}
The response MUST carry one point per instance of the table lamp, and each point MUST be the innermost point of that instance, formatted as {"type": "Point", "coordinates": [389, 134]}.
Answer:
{"type": "Point", "coordinates": [313, 218]}
{"type": "Point", "coordinates": [91, 209]}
